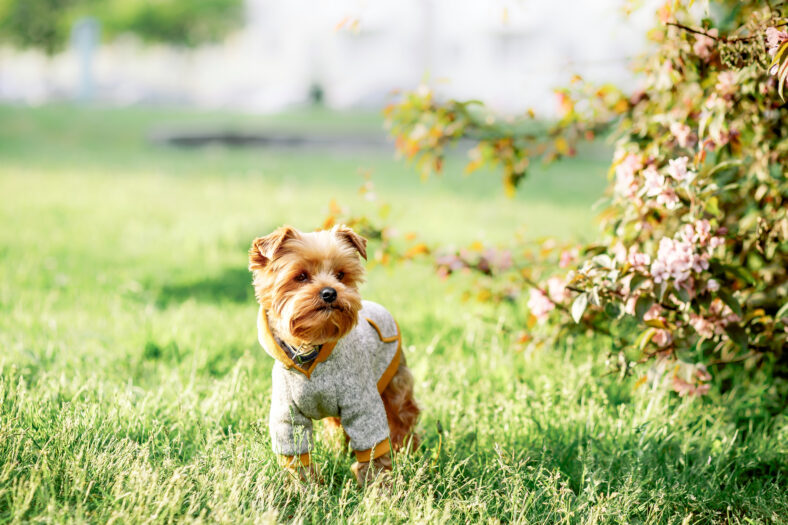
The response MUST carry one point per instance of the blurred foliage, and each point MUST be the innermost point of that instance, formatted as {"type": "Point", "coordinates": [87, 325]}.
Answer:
{"type": "Point", "coordinates": [692, 269]}
{"type": "Point", "coordinates": [46, 24]}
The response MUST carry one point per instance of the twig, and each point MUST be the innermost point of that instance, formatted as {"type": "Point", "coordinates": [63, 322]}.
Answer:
{"type": "Point", "coordinates": [708, 35]}
{"type": "Point", "coordinates": [691, 30]}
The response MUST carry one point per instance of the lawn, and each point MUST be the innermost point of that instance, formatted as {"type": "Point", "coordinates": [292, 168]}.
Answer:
{"type": "Point", "coordinates": [132, 387]}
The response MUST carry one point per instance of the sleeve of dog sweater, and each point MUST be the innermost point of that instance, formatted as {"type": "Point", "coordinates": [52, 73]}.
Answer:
{"type": "Point", "coordinates": [291, 431]}
{"type": "Point", "coordinates": [363, 415]}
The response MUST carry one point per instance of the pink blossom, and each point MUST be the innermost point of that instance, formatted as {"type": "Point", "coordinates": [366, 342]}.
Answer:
{"type": "Point", "coordinates": [540, 305]}
{"type": "Point", "coordinates": [775, 38]}
{"type": "Point", "coordinates": [685, 388]}
{"type": "Point", "coordinates": [567, 258]}
{"type": "Point", "coordinates": [637, 259]}
{"type": "Point", "coordinates": [702, 232]}
{"type": "Point", "coordinates": [654, 181]}
{"type": "Point", "coordinates": [682, 133]}
{"type": "Point", "coordinates": [677, 168]}
{"type": "Point", "coordinates": [703, 326]}
{"type": "Point", "coordinates": [655, 312]}
{"type": "Point", "coordinates": [704, 44]}
{"type": "Point", "coordinates": [619, 252]}
{"type": "Point", "coordinates": [726, 83]}
{"type": "Point", "coordinates": [716, 241]}
{"type": "Point", "coordinates": [662, 338]}
{"type": "Point", "coordinates": [712, 285]}
{"type": "Point", "coordinates": [629, 306]}
{"type": "Point", "coordinates": [677, 259]}
{"type": "Point", "coordinates": [626, 182]}
{"type": "Point", "coordinates": [557, 291]}
{"type": "Point", "coordinates": [668, 198]}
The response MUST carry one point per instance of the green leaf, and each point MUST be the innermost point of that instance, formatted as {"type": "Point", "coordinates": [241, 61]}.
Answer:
{"type": "Point", "coordinates": [642, 305]}
{"type": "Point", "coordinates": [782, 312]}
{"type": "Point", "coordinates": [779, 54]}
{"type": "Point", "coordinates": [636, 281]}
{"type": "Point", "coordinates": [731, 301]}
{"type": "Point", "coordinates": [681, 294]}
{"type": "Point", "coordinates": [656, 323]}
{"type": "Point", "coordinates": [782, 75]}
{"type": "Point", "coordinates": [722, 166]}
{"type": "Point", "coordinates": [663, 288]}
{"type": "Point", "coordinates": [579, 306]}
{"type": "Point", "coordinates": [644, 338]}
{"type": "Point", "coordinates": [713, 206]}
{"type": "Point", "coordinates": [613, 310]}
{"type": "Point", "coordinates": [737, 334]}
{"type": "Point", "coordinates": [741, 272]}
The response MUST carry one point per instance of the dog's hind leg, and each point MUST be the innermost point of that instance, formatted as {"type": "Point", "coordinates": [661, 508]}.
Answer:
{"type": "Point", "coordinates": [401, 409]}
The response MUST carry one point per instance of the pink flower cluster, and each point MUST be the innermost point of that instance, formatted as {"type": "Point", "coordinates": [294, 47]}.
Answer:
{"type": "Point", "coordinates": [633, 257]}
{"type": "Point", "coordinates": [689, 252]}
{"type": "Point", "coordinates": [682, 133]}
{"type": "Point", "coordinates": [774, 39]}
{"type": "Point", "coordinates": [714, 323]}
{"type": "Point", "coordinates": [698, 383]}
{"type": "Point", "coordinates": [540, 305]}
{"type": "Point", "coordinates": [726, 84]}
{"type": "Point", "coordinates": [656, 186]}
{"type": "Point", "coordinates": [704, 45]}
{"type": "Point", "coordinates": [626, 180]}
{"type": "Point", "coordinates": [677, 259]}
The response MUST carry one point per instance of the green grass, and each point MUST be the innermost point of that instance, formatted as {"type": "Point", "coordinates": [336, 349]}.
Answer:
{"type": "Point", "coordinates": [132, 387]}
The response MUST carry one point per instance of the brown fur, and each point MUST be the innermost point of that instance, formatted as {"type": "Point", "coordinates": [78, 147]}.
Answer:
{"type": "Point", "coordinates": [298, 316]}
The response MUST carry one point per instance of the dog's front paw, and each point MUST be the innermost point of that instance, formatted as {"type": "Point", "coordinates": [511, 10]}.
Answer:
{"type": "Point", "coordinates": [377, 470]}
{"type": "Point", "coordinates": [304, 476]}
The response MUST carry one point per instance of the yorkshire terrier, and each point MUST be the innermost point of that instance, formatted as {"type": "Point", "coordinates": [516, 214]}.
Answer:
{"type": "Point", "coordinates": [338, 357]}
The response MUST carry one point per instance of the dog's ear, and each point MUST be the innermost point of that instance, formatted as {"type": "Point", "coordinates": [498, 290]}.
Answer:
{"type": "Point", "coordinates": [264, 249]}
{"type": "Point", "coordinates": [356, 240]}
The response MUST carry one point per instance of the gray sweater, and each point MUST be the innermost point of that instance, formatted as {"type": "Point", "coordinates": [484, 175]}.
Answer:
{"type": "Point", "coordinates": [344, 381]}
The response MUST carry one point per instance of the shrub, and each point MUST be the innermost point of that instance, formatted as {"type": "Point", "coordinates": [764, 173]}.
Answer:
{"type": "Point", "coordinates": [693, 259]}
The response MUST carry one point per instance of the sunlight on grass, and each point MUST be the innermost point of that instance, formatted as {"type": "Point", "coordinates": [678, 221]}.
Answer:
{"type": "Point", "coordinates": [132, 386]}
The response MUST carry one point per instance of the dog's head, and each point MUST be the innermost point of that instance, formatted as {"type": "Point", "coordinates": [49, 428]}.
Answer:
{"type": "Point", "coordinates": [308, 282]}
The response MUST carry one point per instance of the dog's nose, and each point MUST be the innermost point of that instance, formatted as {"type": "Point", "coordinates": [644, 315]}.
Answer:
{"type": "Point", "coordinates": [328, 294]}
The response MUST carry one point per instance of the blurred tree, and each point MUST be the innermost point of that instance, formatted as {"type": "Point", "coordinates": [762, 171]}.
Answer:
{"type": "Point", "coordinates": [46, 24]}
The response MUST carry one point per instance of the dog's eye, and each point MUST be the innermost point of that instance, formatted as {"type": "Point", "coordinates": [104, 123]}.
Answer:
{"type": "Point", "coordinates": [301, 277]}
{"type": "Point", "coordinates": [340, 276]}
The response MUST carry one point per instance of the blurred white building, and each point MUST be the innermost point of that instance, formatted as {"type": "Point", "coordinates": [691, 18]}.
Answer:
{"type": "Point", "coordinates": [508, 53]}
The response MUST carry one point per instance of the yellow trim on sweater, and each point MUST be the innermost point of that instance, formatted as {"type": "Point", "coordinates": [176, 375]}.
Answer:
{"type": "Point", "coordinates": [364, 456]}
{"type": "Point", "coordinates": [391, 339]}
{"type": "Point", "coordinates": [293, 462]}
{"type": "Point", "coordinates": [388, 374]}
{"type": "Point", "coordinates": [276, 351]}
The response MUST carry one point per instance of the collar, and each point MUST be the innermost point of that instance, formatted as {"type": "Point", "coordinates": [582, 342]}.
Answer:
{"type": "Point", "coordinates": [285, 355]}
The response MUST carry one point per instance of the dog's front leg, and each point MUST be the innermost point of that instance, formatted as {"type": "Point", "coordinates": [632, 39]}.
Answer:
{"type": "Point", "coordinates": [369, 471]}
{"type": "Point", "coordinates": [291, 434]}
{"type": "Point", "coordinates": [364, 420]}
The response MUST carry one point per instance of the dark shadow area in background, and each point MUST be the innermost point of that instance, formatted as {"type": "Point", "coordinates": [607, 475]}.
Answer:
{"type": "Point", "coordinates": [233, 284]}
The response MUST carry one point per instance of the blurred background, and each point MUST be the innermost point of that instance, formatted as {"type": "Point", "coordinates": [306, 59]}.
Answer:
{"type": "Point", "coordinates": [269, 55]}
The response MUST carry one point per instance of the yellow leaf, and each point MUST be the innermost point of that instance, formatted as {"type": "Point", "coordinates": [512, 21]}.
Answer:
{"type": "Point", "coordinates": [417, 249]}
{"type": "Point", "coordinates": [561, 145]}
{"type": "Point", "coordinates": [640, 382]}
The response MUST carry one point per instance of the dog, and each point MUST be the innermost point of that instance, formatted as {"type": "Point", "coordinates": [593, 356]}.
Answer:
{"type": "Point", "coordinates": [337, 357]}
